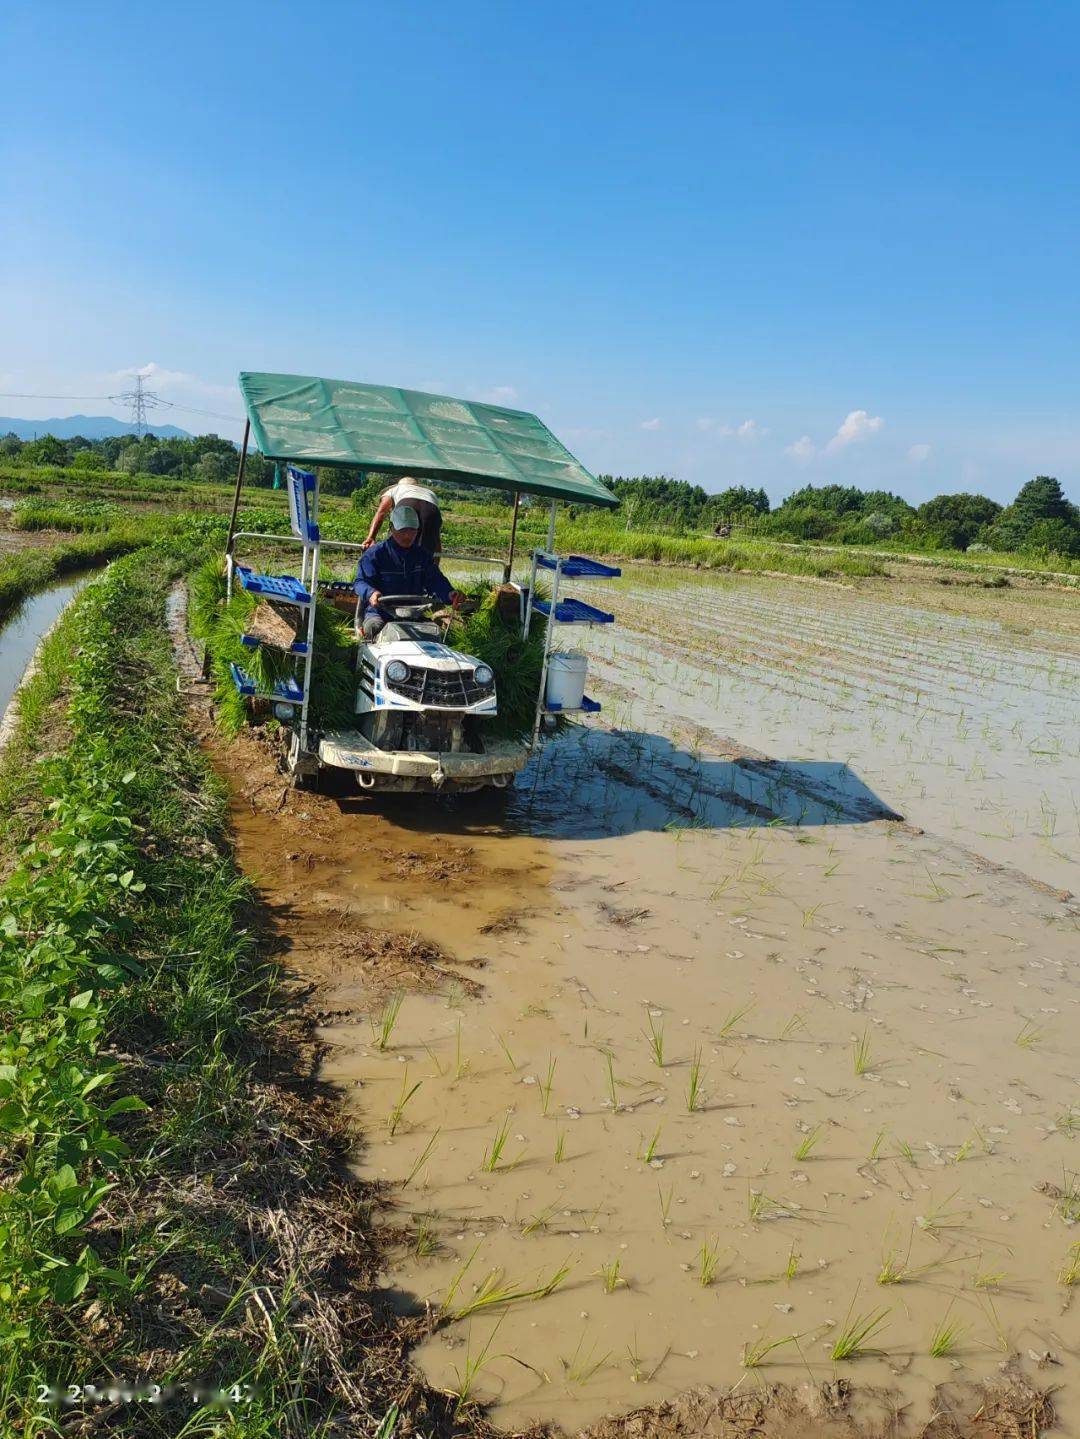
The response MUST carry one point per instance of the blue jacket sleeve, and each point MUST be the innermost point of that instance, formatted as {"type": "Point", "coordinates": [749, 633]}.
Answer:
{"type": "Point", "coordinates": [435, 581]}
{"type": "Point", "coordinates": [367, 576]}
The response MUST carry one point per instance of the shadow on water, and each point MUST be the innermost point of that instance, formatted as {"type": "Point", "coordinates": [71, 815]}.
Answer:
{"type": "Point", "coordinates": [599, 784]}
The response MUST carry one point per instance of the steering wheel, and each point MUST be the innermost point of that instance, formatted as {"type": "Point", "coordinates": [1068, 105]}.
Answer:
{"type": "Point", "coordinates": [406, 607]}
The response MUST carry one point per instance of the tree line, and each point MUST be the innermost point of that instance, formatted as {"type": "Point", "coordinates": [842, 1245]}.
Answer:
{"type": "Point", "coordinates": [1041, 519]}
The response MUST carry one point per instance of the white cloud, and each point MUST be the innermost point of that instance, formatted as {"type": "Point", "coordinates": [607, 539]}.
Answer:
{"type": "Point", "coordinates": [157, 377]}
{"type": "Point", "coordinates": [710, 426]}
{"type": "Point", "coordinates": [919, 454]}
{"type": "Point", "coordinates": [858, 426]}
{"type": "Point", "coordinates": [750, 430]}
{"type": "Point", "coordinates": [498, 395]}
{"type": "Point", "coordinates": [802, 451]}
{"type": "Point", "coordinates": [653, 424]}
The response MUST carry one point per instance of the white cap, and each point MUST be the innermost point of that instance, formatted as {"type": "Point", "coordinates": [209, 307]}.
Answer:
{"type": "Point", "coordinates": [404, 517]}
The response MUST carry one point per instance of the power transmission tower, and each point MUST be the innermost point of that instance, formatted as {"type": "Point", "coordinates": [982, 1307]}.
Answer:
{"type": "Point", "coordinates": [140, 401]}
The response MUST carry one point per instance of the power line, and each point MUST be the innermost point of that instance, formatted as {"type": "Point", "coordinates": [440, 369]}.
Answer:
{"type": "Point", "coordinates": [16, 395]}
{"type": "Point", "coordinates": [125, 399]}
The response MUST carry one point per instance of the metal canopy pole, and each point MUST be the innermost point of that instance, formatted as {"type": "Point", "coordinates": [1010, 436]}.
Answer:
{"type": "Point", "coordinates": [509, 564]}
{"type": "Point", "coordinates": [311, 565]}
{"type": "Point", "coordinates": [551, 530]}
{"type": "Point", "coordinates": [239, 485]}
{"type": "Point", "coordinates": [541, 698]}
{"type": "Point", "coordinates": [235, 508]}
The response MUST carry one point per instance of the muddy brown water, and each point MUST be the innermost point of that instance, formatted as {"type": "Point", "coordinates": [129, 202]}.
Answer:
{"type": "Point", "coordinates": [707, 1043]}
{"type": "Point", "coordinates": [23, 630]}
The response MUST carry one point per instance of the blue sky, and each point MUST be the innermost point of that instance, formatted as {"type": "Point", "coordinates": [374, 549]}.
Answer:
{"type": "Point", "coordinates": [776, 245]}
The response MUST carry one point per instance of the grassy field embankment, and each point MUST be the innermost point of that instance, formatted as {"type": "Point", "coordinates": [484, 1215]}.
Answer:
{"type": "Point", "coordinates": [169, 1210]}
{"type": "Point", "coordinates": [27, 571]}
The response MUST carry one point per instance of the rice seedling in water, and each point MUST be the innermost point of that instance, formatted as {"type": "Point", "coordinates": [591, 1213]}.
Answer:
{"type": "Point", "coordinates": [968, 1147]}
{"type": "Point", "coordinates": [635, 1361]}
{"type": "Point", "coordinates": [495, 1290]}
{"type": "Point", "coordinates": [756, 1351]}
{"type": "Point", "coordinates": [694, 1093]}
{"type": "Point", "coordinates": [1030, 1034]}
{"type": "Point", "coordinates": [760, 1206]}
{"type": "Point", "coordinates": [895, 1270]}
{"type": "Point", "coordinates": [397, 1113]}
{"type": "Point", "coordinates": [580, 1368]}
{"type": "Point", "coordinates": [439, 1069]}
{"type": "Point", "coordinates": [875, 1148]}
{"type": "Point", "coordinates": [809, 915]}
{"type": "Point", "coordinates": [708, 1261]}
{"type": "Point", "coordinates": [861, 1053]}
{"type": "Point", "coordinates": [612, 1082]}
{"type": "Point", "coordinates": [468, 1376]}
{"type": "Point", "coordinates": [649, 1153]}
{"type": "Point", "coordinates": [425, 1155]}
{"type": "Point", "coordinates": [511, 1061]}
{"type": "Point", "coordinates": [545, 1086]}
{"type": "Point", "coordinates": [791, 1268]}
{"type": "Point", "coordinates": [1068, 1204]}
{"type": "Point", "coordinates": [988, 1278]}
{"type": "Point", "coordinates": [611, 1276]}
{"type": "Point", "coordinates": [851, 1342]}
{"type": "Point", "coordinates": [905, 1149]}
{"type": "Point", "coordinates": [665, 1203]}
{"type": "Point", "coordinates": [384, 1024]}
{"type": "Point", "coordinates": [560, 1147]}
{"type": "Point", "coordinates": [795, 1023]}
{"type": "Point", "coordinates": [940, 1218]}
{"type": "Point", "coordinates": [655, 1038]}
{"type": "Point", "coordinates": [938, 892]}
{"type": "Point", "coordinates": [732, 1019]}
{"type": "Point", "coordinates": [494, 1151]}
{"type": "Point", "coordinates": [1068, 1122]}
{"type": "Point", "coordinates": [539, 1221]}
{"type": "Point", "coordinates": [456, 1282]}
{"type": "Point", "coordinates": [809, 1143]}
{"type": "Point", "coordinates": [945, 1336]}
{"type": "Point", "coordinates": [425, 1243]}
{"type": "Point", "coordinates": [1070, 1272]}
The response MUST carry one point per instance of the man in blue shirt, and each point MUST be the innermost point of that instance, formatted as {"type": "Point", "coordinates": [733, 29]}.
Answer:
{"type": "Point", "coordinates": [398, 566]}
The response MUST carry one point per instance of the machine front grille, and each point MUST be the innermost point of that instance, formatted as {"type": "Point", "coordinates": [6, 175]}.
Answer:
{"type": "Point", "coordinates": [445, 689]}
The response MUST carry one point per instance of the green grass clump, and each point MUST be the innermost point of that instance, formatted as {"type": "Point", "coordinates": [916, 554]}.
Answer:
{"type": "Point", "coordinates": [516, 661]}
{"type": "Point", "coordinates": [131, 992]}
{"type": "Point", "coordinates": [219, 625]}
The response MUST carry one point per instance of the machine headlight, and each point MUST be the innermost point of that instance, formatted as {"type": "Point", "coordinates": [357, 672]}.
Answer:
{"type": "Point", "coordinates": [483, 674]}
{"type": "Point", "coordinates": [396, 671]}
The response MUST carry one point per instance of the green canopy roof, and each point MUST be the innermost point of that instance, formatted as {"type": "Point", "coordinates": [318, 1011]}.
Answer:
{"type": "Point", "coordinates": [374, 427]}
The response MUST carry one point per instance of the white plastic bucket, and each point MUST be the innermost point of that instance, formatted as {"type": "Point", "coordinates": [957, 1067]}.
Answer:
{"type": "Point", "coordinates": [566, 679]}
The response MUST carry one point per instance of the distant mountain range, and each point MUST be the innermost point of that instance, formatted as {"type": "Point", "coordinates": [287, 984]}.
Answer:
{"type": "Point", "coordinates": [91, 427]}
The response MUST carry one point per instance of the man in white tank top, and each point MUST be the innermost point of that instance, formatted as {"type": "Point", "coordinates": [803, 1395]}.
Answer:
{"type": "Point", "coordinates": [424, 501]}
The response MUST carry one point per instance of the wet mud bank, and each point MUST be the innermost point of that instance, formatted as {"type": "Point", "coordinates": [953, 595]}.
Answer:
{"type": "Point", "coordinates": [677, 1068]}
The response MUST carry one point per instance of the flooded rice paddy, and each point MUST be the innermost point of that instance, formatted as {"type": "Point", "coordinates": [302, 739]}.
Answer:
{"type": "Point", "coordinates": [760, 1082]}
